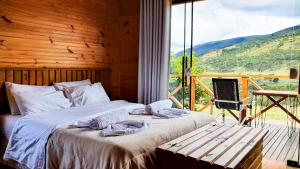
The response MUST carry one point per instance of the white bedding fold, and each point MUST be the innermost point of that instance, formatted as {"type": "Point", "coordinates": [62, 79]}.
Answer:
{"type": "Point", "coordinates": [161, 109]}
{"type": "Point", "coordinates": [156, 106]}
{"type": "Point", "coordinates": [171, 113]}
{"type": "Point", "coordinates": [30, 134]}
{"type": "Point", "coordinates": [139, 111]}
{"type": "Point", "coordinates": [109, 118]}
{"type": "Point", "coordinates": [123, 128]}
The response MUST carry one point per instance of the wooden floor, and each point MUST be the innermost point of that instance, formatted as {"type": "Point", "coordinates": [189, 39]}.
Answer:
{"type": "Point", "coordinates": [278, 147]}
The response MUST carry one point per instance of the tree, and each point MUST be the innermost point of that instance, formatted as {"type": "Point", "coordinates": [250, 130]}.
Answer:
{"type": "Point", "coordinates": [176, 69]}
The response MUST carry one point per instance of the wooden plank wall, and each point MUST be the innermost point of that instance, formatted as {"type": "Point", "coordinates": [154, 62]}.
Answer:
{"type": "Point", "coordinates": [129, 20]}
{"type": "Point", "coordinates": [73, 34]}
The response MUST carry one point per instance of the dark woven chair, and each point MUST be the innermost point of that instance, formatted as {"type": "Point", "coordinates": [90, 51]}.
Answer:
{"type": "Point", "coordinates": [227, 97]}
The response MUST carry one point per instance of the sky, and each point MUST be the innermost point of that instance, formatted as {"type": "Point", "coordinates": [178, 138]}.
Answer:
{"type": "Point", "coordinates": [224, 19]}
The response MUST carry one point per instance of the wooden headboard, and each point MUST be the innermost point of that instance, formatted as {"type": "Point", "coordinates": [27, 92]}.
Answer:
{"type": "Point", "coordinates": [47, 76]}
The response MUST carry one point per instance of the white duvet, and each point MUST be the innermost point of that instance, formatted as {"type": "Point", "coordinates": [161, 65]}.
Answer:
{"type": "Point", "coordinates": [30, 134]}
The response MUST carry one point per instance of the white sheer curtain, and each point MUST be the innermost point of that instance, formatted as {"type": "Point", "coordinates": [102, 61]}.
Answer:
{"type": "Point", "coordinates": [154, 50]}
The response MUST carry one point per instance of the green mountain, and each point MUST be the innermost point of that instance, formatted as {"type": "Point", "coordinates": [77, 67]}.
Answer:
{"type": "Point", "coordinates": [263, 53]}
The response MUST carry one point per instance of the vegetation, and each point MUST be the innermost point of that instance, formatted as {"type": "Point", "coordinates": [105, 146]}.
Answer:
{"type": "Point", "coordinates": [266, 54]}
{"type": "Point", "coordinates": [176, 69]}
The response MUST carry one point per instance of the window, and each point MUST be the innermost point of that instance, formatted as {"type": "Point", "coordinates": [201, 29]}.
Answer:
{"type": "Point", "coordinates": [234, 37]}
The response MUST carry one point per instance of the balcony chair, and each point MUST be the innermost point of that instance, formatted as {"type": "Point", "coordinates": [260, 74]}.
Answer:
{"type": "Point", "coordinates": [226, 97]}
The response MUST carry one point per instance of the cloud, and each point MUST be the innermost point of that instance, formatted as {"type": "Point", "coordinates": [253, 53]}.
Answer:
{"type": "Point", "coordinates": [224, 19]}
{"type": "Point", "coordinates": [281, 8]}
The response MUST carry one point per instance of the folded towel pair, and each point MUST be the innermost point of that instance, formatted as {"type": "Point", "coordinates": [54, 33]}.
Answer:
{"type": "Point", "coordinates": [152, 108]}
{"type": "Point", "coordinates": [124, 128]}
{"type": "Point", "coordinates": [114, 123]}
{"type": "Point", "coordinates": [139, 111]}
{"type": "Point", "coordinates": [160, 109]}
{"type": "Point", "coordinates": [171, 113]}
{"type": "Point", "coordinates": [104, 120]}
{"type": "Point", "coordinates": [159, 105]}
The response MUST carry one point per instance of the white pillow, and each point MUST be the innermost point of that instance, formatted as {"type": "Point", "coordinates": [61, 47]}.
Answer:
{"type": "Point", "coordinates": [39, 102]}
{"type": "Point", "coordinates": [15, 88]}
{"type": "Point", "coordinates": [63, 85]}
{"type": "Point", "coordinates": [87, 95]}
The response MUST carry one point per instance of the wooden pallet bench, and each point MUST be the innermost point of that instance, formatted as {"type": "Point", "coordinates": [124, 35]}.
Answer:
{"type": "Point", "coordinates": [214, 146]}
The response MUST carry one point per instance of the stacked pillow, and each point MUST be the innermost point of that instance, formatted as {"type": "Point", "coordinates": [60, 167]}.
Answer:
{"type": "Point", "coordinates": [30, 103]}
{"type": "Point", "coordinates": [63, 85]}
{"type": "Point", "coordinates": [12, 89]}
{"type": "Point", "coordinates": [28, 99]}
{"type": "Point", "coordinates": [87, 94]}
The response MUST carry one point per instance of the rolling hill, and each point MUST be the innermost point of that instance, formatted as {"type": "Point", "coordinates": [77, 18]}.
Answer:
{"type": "Point", "coordinates": [270, 53]}
{"type": "Point", "coordinates": [202, 49]}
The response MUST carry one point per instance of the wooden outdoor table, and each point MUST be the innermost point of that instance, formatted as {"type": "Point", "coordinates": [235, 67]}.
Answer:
{"type": "Point", "coordinates": [214, 146]}
{"type": "Point", "coordinates": [270, 94]}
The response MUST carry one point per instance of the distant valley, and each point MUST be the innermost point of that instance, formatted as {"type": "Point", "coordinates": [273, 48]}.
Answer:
{"type": "Point", "coordinates": [272, 52]}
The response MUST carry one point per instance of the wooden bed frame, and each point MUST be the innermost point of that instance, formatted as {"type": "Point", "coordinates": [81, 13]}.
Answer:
{"type": "Point", "coordinates": [47, 76]}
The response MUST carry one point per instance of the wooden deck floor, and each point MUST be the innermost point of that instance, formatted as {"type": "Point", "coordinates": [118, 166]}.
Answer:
{"type": "Point", "coordinates": [278, 146]}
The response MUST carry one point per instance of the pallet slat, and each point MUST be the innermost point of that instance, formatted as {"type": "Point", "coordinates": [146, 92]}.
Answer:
{"type": "Point", "coordinates": [197, 139]}
{"type": "Point", "coordinates": [202, 140]}
{"type": "Point", "coordinates": [233, 153]}
{"type": "Point", "coordinates": [207, 148]}
{"type": "Point", "coordinates": [187, 136]}
{"type": "Point", "coordinates": [227, 146]}
{"type": "Point", "coordinates": [244, 152]}
{"type": "Point", "coordinates": [224, 147]}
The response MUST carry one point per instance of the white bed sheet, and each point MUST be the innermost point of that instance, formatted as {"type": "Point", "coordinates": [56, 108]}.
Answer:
{"type": "Point", "coordinates": [30, 134]}
{"type": "Point", "coordinates": [7, 123]}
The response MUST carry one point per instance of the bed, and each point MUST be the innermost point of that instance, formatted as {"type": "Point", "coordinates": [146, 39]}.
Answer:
{"type": "Point", "coordinates": [73, 147]}
{"type": "Point", "coordinates": [7, 122]}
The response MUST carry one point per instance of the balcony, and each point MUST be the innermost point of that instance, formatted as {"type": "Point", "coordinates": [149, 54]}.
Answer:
{"type": "Point", "coordinates": [278, 145]}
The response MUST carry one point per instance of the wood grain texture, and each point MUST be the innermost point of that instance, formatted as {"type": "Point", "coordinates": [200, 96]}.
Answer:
{"type": "Point", "coordinates": [46, 76]}
{"type": "Point", "coordinates": [129, 47]}
{"type": "Point", "coordinates": [215, 147]}
{"type": "Point", "coordinates": [72, 34]}
{"type": "Point", "coordinates": [56, 33]}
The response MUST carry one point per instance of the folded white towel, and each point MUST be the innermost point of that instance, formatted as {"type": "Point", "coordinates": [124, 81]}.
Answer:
{"type": "Point", "coordinates": [106, 119]}
{"type": "Point", "coordinates": [139, 111]}
{"type": "Point", "coordinates": [171, 113]}
{"type": "Point", "coordinates": [159, 105]}
{"type": "Point", "coordinates": [123, 128]}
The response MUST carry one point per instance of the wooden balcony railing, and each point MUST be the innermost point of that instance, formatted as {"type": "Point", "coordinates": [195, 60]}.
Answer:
{"type": "Point", "coordinates": [245, 80]}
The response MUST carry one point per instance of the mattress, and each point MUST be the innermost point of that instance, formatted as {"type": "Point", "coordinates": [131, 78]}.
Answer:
{"type": "Point", "coordinates": [7, 123]}
{"type": "Point", "coordinates": [84, 148]}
